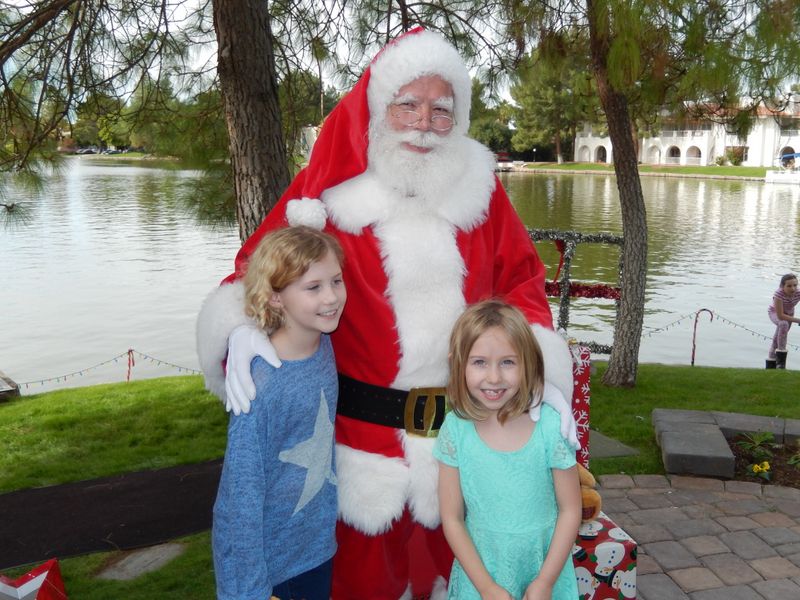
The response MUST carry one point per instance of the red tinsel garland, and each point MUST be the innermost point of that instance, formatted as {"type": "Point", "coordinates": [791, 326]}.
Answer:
{"type": "Point", "coordinates": [583, 290]}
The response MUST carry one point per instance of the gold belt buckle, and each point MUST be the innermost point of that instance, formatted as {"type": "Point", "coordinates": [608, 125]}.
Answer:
{"type": "Point", "coordinates": [428, 396]}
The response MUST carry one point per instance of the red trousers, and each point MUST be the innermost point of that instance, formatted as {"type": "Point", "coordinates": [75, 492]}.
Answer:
{"type": "Point", "coordinates": [380, 567]}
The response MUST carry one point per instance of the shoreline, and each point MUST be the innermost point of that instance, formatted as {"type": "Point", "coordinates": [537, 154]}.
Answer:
{"type": "Point", "coordinates": [507, 168]}
{"type": "Point", "coordinates": [641, 174]}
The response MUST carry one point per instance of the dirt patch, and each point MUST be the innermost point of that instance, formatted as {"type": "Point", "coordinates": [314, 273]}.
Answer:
{"type": "Point", "coordinates": [781, 469]}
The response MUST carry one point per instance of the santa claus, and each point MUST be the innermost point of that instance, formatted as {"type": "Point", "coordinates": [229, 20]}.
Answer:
{"type": "Point", "coordinates": [427, 229]}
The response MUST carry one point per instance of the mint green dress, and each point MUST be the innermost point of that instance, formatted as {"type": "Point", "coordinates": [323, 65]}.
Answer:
{"type": "Point", "coordinates": [510, 501]}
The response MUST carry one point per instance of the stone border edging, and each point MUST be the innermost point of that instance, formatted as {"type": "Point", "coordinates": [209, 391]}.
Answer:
{"type": "Point", "coordinates": [695, 442]}
{"type": "Point", "coordinates": [655, 482]}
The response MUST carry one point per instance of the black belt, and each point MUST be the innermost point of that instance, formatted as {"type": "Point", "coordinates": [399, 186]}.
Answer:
{"type": "Point", "coordinates": [420, 411]}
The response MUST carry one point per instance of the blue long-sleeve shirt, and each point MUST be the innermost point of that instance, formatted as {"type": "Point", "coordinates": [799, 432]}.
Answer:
{"type": "Point", "coordinates": [275, 513]}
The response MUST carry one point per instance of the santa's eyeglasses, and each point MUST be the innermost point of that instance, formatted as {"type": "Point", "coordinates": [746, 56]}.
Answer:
{"type": "Point", "coordinates": [410, 118]}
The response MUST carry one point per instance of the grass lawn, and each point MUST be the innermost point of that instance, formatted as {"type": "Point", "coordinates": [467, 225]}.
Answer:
{"type": "Point", "coordinates": [103, 430]}
{"type": "Point", "coordinates": [190, 576]}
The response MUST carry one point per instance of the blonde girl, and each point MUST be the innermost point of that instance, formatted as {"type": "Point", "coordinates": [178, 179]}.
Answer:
{"type": "Point", "coordinates": [275, 513]}
{"type": "Point", "coordinates": [508, 485]}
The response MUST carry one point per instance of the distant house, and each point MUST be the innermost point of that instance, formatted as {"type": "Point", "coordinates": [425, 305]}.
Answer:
{"type": "Point", "coordinates": [702, 142]}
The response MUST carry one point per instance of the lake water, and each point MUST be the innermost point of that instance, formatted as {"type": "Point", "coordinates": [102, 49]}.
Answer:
{"type": "Point", "coordinates": [111, 260]}
{"type": "Point", "coordinates": [716, 244]}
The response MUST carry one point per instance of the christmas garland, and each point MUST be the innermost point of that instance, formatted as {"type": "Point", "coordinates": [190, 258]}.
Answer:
{"type": "Point", "coordinates": [583, 290]}
{"type": "Point", "coordinates": [561, 287]}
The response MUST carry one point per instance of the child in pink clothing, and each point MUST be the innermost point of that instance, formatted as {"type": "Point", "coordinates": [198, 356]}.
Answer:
{"type": "Point", "coordinates": [781, 312]}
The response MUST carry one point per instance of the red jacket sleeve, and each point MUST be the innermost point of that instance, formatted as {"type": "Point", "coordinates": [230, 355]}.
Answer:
{"type": "Point", "coordinates": [519, 272]}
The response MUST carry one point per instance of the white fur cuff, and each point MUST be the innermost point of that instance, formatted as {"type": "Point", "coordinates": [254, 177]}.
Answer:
{"type": "Point", "coordinates": [557, 360]}
{"type": "Point", "coordinates": [372, 489]}
{"type": "Point", "coordinates": [306, 211]}
{"type": "Point", "coordinates": [423, 486]}
{"type": "Point", "coordinates": [222, 311]}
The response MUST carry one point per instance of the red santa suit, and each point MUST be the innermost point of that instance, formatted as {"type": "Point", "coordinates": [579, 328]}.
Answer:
{"type": "Point", "coordinates": [412, 264]}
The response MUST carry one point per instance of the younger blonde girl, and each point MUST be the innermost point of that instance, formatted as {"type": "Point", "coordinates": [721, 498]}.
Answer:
{"type": "Point", "coordinates": [508, 486]}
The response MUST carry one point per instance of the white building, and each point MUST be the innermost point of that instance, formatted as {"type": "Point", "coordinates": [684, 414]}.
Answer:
{"type": "Point", "coordinates": [703, 142]}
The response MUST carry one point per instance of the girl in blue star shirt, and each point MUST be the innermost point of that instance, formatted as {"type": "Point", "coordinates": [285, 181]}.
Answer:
{"type": "Point", "coordinates": [275, 513]}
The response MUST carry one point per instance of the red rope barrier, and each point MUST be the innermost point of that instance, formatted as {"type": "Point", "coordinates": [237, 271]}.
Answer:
{"type": "Point", "coordinates": [694, 333]}
{"type": "Point", "coordinates": [131, 363]}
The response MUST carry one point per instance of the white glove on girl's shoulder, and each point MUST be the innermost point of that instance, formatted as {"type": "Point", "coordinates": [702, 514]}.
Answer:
{"type": "Point", "coordinates": [552, 396]}
{"type": "Point", "coordinates": [244, 344]}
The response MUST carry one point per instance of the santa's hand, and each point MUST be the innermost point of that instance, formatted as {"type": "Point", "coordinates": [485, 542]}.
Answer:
{"type": "Point", "coordinates": [569, 429]}
{"type": "Point", "coordinates": [244, 344]}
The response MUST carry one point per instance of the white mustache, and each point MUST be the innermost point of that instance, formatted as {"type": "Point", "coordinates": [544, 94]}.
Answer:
{"type": "Point", "coordinates": [421, 139]}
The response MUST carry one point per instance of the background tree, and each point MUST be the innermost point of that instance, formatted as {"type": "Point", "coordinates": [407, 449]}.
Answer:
{"type": "Point", "coordinates": [299, 98]}
{"type": "Point", "coordinates": [84, 48]}
{"type": "Point", "coordinates": [489, 125]}
{"type": "Point", "coordinates": [554, 95]}
{"type": "Point", "coordinates": [96, 112]}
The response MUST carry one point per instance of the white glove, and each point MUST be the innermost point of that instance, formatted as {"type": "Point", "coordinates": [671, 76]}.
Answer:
{"type": "Point", "coordinates": [244, 344]}
{"type": "Point", "coordinates": [569, 429]}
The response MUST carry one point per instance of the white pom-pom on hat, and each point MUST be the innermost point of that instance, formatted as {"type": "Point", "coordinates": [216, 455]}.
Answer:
{"type": "Point", "coordinates": [306, 211]}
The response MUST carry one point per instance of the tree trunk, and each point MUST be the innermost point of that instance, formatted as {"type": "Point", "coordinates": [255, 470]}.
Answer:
{"type": "Point", "coordinates": [624, 360]}
{"type": "Point", "coordinates": [557, 139]}
{"type": "Point", "coordinates": [246, 67]}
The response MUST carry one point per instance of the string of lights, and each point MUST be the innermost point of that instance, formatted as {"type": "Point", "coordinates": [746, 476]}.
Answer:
{"type": "Point", "coordinates": [595, 348]}
{"type": "Point", "coordinates": [668, 326]}
{"type": "Point", "coordinates": [716, 315]}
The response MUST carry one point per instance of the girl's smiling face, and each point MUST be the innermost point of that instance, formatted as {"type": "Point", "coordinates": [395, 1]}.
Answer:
{"type": "Point", "coordinates": [493, 369]}
{"type": "Point", "coordinates": [789, 287]}
{"type": "Point", "coordinates": [313, 304]}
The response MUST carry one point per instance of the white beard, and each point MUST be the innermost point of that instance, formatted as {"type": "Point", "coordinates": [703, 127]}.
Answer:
{"type": "Point", "coordinates": [428, 175]}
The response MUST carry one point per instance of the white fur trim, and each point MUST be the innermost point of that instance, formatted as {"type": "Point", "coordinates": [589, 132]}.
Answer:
{"type": "Point", "coordinates": [557, 360]}
{"type": "Point", "coordinates": [364, 200]}
{"type": "Point", "coordinates": [439, 589]}
{"type": "Point", "coordinates": [222, 311]}
{"type": "Point", "coordinates": [306, 211]}
{"type": "Point", "coordinates": [425, 278]}
{"type": "Point", "coordinates": [425, 272]}
{"type": "Point", "coordinates": [411, 57]}
{"type": "Point", "coordinates": [372, 489]}
{"type": "Point", "coordinates": [423, 498]}
{"type": "Point", "coordinates": [407, 595]}
{"type": "Point", "coordinates": [466, 200]}
{"type": "Point", "coordinates": [358, 202]}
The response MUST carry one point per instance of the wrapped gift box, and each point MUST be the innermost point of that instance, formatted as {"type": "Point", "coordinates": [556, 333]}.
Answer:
{"type": "Point", "coordinates": [581, 367]}
{"type": "Point", "coordinates": [605, 561]}
{"type": "Point", "coordinates": [41, 583]}
{"type": "Point", "coordinates": [603, 554]}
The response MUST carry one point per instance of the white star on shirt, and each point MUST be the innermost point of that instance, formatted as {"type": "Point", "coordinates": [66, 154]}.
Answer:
{"type": "Point", "coordinates": [315, 455]}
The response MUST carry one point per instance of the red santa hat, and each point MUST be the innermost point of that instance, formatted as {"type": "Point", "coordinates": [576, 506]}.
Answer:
{"type": "Point", "coordinates": [340, 152]}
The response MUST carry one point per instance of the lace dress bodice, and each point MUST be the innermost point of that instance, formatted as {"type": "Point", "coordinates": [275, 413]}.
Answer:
{"type": "Point", "coordinates": [510, 503]}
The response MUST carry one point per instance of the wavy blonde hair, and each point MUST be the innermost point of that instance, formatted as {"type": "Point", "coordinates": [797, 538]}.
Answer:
{"type": "Point", "coordinates": [473, 323]}
{"type": "Point", "coordinates": [282, 257]}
